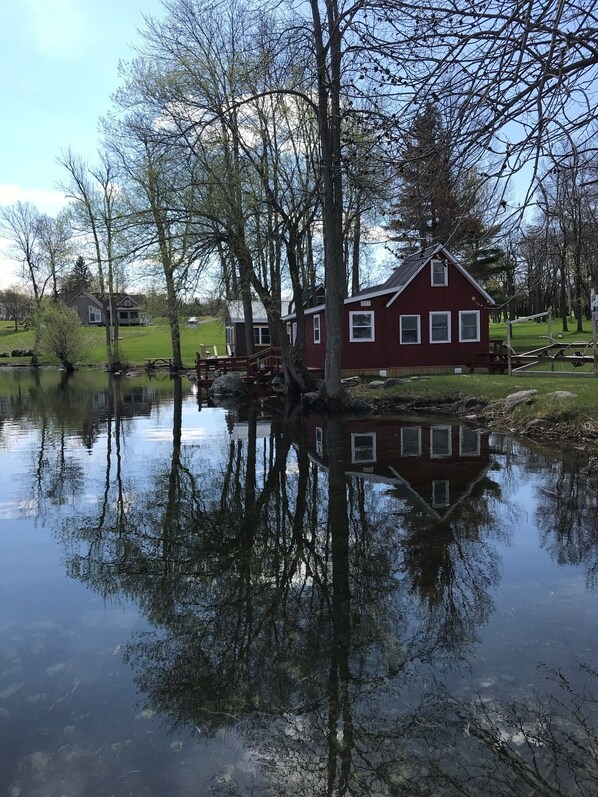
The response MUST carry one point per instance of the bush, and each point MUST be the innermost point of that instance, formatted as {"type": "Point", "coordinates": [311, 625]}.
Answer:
{"type": "Point", "coordinates": [59, 332]}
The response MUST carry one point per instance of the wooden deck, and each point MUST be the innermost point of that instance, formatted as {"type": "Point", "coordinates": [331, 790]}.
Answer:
{"type": "Point", "coordinates": [258, 368]}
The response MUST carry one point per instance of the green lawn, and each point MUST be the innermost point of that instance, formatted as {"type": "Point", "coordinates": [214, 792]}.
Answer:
{"type": "Point", "coordinates": [528, 335]}
{"type": "Point", "coordinates": [442, 389]}
{"type": "Point", "coordinates": [137, 344]}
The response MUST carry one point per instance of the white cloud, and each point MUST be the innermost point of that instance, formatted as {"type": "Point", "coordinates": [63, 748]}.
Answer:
{"type": "Point", "coordinates": [49, 202]}
{"type": "Point", "coordinates": [58, 26]}
{"type": "Point", "coordinates": [9, 269]}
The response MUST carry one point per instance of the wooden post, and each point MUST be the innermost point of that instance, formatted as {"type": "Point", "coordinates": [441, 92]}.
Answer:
{"type": "Point", "coordinates": [550, 326]}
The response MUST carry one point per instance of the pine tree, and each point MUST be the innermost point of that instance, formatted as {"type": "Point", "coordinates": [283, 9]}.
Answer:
{"type": "Point", "coordinates": [436, 204]}
{"type": "Point", "coordinates": [78, 279]}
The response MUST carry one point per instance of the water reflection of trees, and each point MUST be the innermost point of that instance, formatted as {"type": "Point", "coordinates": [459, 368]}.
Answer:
{"type": "Point", "coordinates": [567, 516]}
{"type": "Point", "coordinates": [61, 415]}
{"type": "Point", "coordinates": [316, 613]}
{"type": "Point", "coordinates": [541, 745]}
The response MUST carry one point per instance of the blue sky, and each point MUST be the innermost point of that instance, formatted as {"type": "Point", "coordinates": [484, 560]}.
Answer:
{"type": "Point", "coordinates": [58, 68]}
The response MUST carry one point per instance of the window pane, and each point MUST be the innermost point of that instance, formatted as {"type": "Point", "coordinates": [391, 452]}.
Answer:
{"type": "Point", "coordinates": [440, 441]}
{"type": "Point", "coordinates": [361, 326]}
{"type": "Point", "coordinates": [410, 441]}
{"type": "Point", "coordinates": [439, 327]}
{"type": "Point", "coordinates": [440, 493]}
{"type": "Point", "coordinates": [363, 447]}
{"type": "Point", "coordinates": [469, 442]}
{"type": "Point", "coordinates": [438, 273]}
{"type": "Point", "coordinates": [409, 329]}
{"type": "Point", "coordinates": [469, 326]}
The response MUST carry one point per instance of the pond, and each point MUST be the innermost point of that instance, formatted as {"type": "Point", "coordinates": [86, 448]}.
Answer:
{"type": "Point", "coordinates": [234, 601]}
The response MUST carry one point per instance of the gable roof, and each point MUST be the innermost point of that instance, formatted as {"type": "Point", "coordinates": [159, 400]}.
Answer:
{"type": "Point", "coordinates": [119, 298]}
{"type": "Point", "coordinates": [408, 270]}
{"type": "Point", "coordinates": [236, 312]}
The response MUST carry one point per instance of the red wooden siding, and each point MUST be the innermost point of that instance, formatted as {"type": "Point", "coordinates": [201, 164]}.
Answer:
{"type": "Point", "coordinates": [418, 298]}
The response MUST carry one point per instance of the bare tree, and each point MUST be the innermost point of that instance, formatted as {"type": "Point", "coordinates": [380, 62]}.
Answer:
{"type": "Point", "coordinates": [16, 303]}
{"type": "Point", "coordinates": [55, 236]}
{"type": "Point", "coordinates": [21, 224]}
{"type": "Point", "coordinates": [161, 206]}
{"type": "Point", "coordinates": [94, 196]}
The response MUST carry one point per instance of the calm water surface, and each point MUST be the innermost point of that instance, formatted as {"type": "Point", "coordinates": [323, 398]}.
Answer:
{"type": "Point", "coordinates": [199, 601]}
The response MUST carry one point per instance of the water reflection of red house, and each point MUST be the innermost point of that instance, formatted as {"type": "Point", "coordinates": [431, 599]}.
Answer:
{"type": "Point", "coordinates": [436, 463]}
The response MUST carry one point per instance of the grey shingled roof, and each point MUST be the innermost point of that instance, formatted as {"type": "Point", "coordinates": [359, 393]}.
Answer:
{"type": "Point", "coordinates": [403, 273]}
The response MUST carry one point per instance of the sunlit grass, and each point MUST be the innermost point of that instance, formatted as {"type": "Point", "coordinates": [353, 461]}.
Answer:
{"type": "Point", "coordinates": [137, 344]}
{"type": "Point", "coordinates": [443, 389]}
{"type": "Point", "coordinates": [528, 335]}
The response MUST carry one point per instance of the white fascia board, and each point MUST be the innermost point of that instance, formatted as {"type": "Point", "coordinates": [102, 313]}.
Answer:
{"type": "Point", "coordinates": [463, 271]}
{"type": "Point", "coordinates": [399, 291]}
{"type": "Point", "coordinates": [310, 311]}
{"type": "Point", "coordinates": [475, 284]}
{"type": "Point", "coordinates": [365, 296]}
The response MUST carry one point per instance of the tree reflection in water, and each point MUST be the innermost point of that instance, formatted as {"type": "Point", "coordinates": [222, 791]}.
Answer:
{"type": "Point", "coordinates": [317, 613]}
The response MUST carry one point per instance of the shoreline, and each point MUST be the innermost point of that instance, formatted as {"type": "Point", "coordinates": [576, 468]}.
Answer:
{"type": "Point", "coordinates": [550, 419]}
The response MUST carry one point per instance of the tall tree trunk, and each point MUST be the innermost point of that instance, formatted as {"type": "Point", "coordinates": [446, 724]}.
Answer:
{"type": "Point", "coordinates": [328, 63]}
{"type": "Point", "coordinates": [173, 320]}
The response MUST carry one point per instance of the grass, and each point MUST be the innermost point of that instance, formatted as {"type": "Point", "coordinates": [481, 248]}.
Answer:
{"type": "Point", "coordinates": [442, 389]}
{"type": "Point", "coordinates": [137, 344]}
{"type": "Point", "coordinates": [528, 335]}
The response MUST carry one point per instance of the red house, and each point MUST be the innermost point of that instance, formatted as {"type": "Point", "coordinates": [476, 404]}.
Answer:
{"type": "Point", "coordinates": [429, 316]}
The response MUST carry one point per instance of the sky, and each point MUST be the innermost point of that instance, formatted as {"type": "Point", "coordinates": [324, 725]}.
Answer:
{"type": "Point", "coordinates": [58, 68]}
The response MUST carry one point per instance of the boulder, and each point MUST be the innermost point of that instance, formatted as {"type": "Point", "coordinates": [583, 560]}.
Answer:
{"type": "Point", "coordinates": [562, 394]}
{"type": "Point", "coordinates": [521, 397]}
{"type": "Point", "coordinates": [375, 384]}
{"type": "Point", "coordinates": [468, 405]}
{"type": "Point", "coordinates": [228, 385]}
{"type": "Point", "coordinates": [357, 406]}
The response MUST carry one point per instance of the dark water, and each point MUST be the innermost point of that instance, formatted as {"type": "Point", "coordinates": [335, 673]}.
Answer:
{"type": "Point", "coordinates": [211, 601]}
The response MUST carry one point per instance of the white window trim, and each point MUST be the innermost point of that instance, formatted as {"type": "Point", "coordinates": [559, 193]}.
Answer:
{"type": "Point", "coordinates": [433, 454]}
{"type": "Point", "coordinates": [446, 313]}
{"type": "Point", "coordinates": [419, 441]}
{"type": "Point", "coordinates": [372, 326]}
{"type": "Point", "coordinates": [92, 309]}
{"type": "Point", "coordinates": [469, 340]}
{"type": "Point", "coordinates": [419, 330]}
{"type": "Point", "coordinates": [463, 453]}
{"type": "Point", "coordinates": [317, 329]}
{"type": "Point", "coordinates": [446, 490]}
{"type": "Point", "coordinates": [260, 329]}
{"type": "Point", "coordinates": [355, 460]}
{"type": "Point", "coordinates": [445, 272]}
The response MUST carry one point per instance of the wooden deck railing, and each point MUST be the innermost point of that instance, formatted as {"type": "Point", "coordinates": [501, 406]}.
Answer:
{"type": "Point", "coordinates": [257, 367]}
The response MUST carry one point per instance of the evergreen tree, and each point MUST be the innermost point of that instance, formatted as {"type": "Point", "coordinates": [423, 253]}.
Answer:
{"type": "Point", "coordinates": [437, 204]}
{"type": "Point", "coordinates": [78, 279]}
